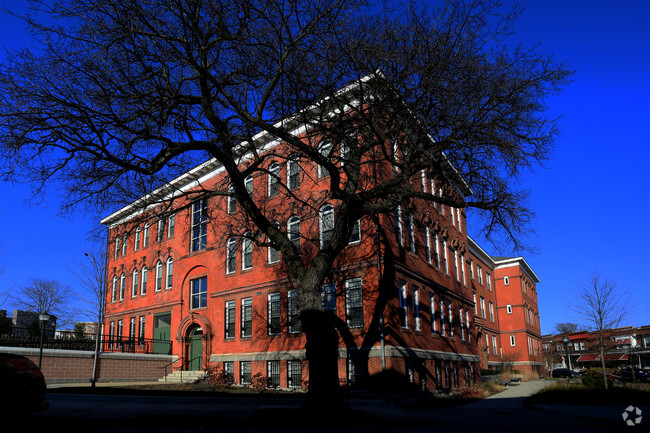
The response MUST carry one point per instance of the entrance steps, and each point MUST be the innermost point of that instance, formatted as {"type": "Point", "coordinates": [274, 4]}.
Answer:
{"type": "Point", "coordinates": [186, 376]}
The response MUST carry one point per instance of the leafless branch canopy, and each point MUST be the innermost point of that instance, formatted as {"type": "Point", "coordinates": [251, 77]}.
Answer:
{"type": "Point", "coordinates": [122, 96]}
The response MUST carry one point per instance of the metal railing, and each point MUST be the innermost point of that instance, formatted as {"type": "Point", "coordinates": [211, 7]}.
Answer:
{"type": "Point", "coordinates": [71, 340]}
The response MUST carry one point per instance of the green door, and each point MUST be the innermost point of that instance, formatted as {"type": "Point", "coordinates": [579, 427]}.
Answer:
{"type": "Point", "coordinates": [196, 349]}
{"type": "Point", "coordinates": [162, 326]}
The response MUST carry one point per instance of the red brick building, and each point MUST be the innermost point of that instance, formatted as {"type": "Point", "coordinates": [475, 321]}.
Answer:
{"type": "Point", "coordinates": [425, 305]}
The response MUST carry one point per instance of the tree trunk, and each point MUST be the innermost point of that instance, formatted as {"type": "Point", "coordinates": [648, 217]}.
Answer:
{"type": "Point", "coordinates": [602, 361]}
{"type": "Point", "coordinates": [322, 355]}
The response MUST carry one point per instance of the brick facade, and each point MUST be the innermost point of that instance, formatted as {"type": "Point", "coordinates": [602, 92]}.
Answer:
{"type": "Point", "coordinates": [211, 292]}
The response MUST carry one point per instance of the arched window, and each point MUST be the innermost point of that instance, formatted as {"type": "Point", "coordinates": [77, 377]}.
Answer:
{"type": "Point", "coordinates": [325, 149]}
{"type": "Point", "coordinates": [248, 183]}
{"type": "Point", "coordinates": [231, 255]}
{"type": "Point", "coordinates": [326, 224]}
{"type": "Point", "coordinates": [293, 231]}
{"type": "Point", "coordinates": [293, 172]}
{"type": "Point", "coordinates": [247, 251]}
{"type": "Point", "coordinates": [274, 253]}
{"type": "Point", "coordinates": [159, 268]}
{"type": "Point", "coordinates": [143, 281]}
{"type": "Point", "coordinates": [145, 237]}
{"type": "Point", "coordinates": [170, 273]}
{"type": "Point", "coordinates": [232, 201]}
{"type": "Point", "coordinates": [122, 283]}
{"type": "Point", "coordinates": [274, 179]}
{"type": "Point", "coordinates": [138, 234]}
{"type": "Point", "coordinates": [134, 285]}
{"type": "Point", "coordinates": [114, 290]}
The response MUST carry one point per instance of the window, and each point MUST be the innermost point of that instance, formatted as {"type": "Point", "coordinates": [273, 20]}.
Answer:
{"type": "Point", "coordinates": [437, 252]}
{"type": "Point", "coordinates": [199, 292]}
{"type": "Point", "coordinates": [247, 317]}
{"type": "Point", "coordinates": [427, 243]}
{"type": "Point", "coordinates": [170, 273]}
{"type": "Point", "coordinates": [325, 150]}
{"type": "Point", "coordinates": [293, 312]}
{"type": "Point", "coordinates": [160, 233]}
{"type": "Point", "coordinates": [487, 344]}
{"type": "Point", "coordinates": [329, 298]}
{"type": "Point", "coordinates": [488, 279]}
{"type": "Point", "coordinates": [274, 179]}
{"type": "Point", "coordinates": [273, 373]}
{"type": "Point", "coordinates": [293, 173]}
{"type": "Point", "coordinates": [274, 314]}
{"type": "Point", "coordinates": [231, 206]}
{"type": "Point", "coordinates": [475, 304]}
{"type": "Point", "coordinates": [247, 252]}
{"type": "Point", "coordinates": [248, 184]}
{"type": "Point", "coordinates": [483, 307]}
{"type": "Point", "coordinates": [410, 228]}
{"type": "Point", "coordinates": [432, 303]}
{"type": "Point", "coordinates": [293, 231]}
{"type": "Point", "coordinates": [117, 247]}
{"type": "Point", "coordinates": [141, 329]}
{"type": "Point", "coordinates": [231, 255]}
{"type": "Point", "coordinates": [122, 284]}
{"type": "Point", "coordinates": [159, 273]}
{"type": "Point", "coordinates": [294, 374]}
{"type": "Point", "coordinates": [171, 225]}
{"type": "Point", "coordinates": [132, 324]}
{"type": "Point", "coordinates": [229, 320]}
{"type": "Point", "coordinates": [114, 290]}
{"type": "Point", "coordinates": [134, 283]}
{"type": "Point", "coordinates": [143, 282]}
{"type": "Point", "coordinates": [274, 253]}
{"type": "Point", "coordinates": [469, 333]}
{"type": "Point", "coordinates": [451, 321]}
{"type": "Point", "coordinates": [512, 340]}
{"type": "Point", "coordinates": [491, 307]}
{"type": "Point", "coordinates": [245, 372]}
{"type": "Point", "coordinates": [494, 343]}
{"type": "Point", "coordinates": [125, 244]}
{"type": "Point", "coordinates": [145, 236]}
{"type": "Point", "coordinates": [355, 235]}
{"type": "Point", "coordinates": [506, 281]}
{"type": "Point", "coordinates": [398, 226]}
{"type": "Point", "coordinates": [446, 262]}
{"type": "Point", "coordinates": [479, 272]}
{"type": "Point", "coordinates": [199, 225]}
{"type": "Point", "coordinates": [509, 309]}
{"type": "Point", "coordinates": [326, 225]}
{"type": "Point", "coordinates": [403, 305]}
{"type": "Point", "coordinates": [416, 307]}
{"type": "Point", "coordinates": [461, 323]}
{"type": "Point", "coordinates": [456, 265]}
{"type": "Point", "coordinates": [442, 318]}
{"type": "Point", "coordinates": [138, 234]}
{"type": "Point", "coordinates": [229, 371]}
{"type": "Point", "coordinates": [462, 268]}
{"type": "Point", "coordinates": [354, 303]}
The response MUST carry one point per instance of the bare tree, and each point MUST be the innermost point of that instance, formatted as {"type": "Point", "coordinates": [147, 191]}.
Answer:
{"type": "Point", "coordinates": [602, 306]}
{"type": "Point", "coordinates": [143, 91]}
{"type": "Point", "coordinates": [566, 328]}
{"type": "Point", "coordinates": [46, 296]}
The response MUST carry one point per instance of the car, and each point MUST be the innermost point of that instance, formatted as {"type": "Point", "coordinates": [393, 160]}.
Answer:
{"type": "Point", "coordinates": [639, 376]}
{"type": "Point", "coordinates": [563, 372]}
{"type": "Point", "coordinates": [23, 385]}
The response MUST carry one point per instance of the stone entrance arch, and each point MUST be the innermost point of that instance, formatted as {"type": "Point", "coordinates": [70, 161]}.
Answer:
{"type": "Point", "coordinates": [195, 337]}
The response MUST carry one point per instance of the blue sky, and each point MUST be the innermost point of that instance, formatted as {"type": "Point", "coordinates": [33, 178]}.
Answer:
{"type": "Point", "coordinates": [591, 200]}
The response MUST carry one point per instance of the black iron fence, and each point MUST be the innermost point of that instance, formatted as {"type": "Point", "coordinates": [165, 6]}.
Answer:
{"type": "Point", "coordinates": [72, 340]}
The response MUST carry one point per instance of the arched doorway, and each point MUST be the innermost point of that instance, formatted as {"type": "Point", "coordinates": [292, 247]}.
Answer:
{"type": "Point", "coordinates": [195, 349]}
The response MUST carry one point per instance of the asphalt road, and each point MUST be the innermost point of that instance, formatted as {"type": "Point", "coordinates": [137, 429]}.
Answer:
{"type": "Point", "coordinates": [505, 412]}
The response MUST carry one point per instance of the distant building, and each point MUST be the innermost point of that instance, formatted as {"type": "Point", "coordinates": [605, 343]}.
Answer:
{"type": "Point", "coordinates": [626, 346]}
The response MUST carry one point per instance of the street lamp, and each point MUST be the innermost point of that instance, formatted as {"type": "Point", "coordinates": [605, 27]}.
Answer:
{"type": "Point", "coordinates": [566, 348]}
{"type": "Point", "coordinates": [43, 318]}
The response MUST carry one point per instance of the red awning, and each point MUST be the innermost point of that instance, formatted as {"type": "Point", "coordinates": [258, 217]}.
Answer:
{"type": "Point", "coordinates": [608, 357]}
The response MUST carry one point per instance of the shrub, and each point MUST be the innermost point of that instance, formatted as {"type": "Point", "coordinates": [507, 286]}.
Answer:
{"type": "Point", "coordinates": [594, 379]}
{"type": "Point", "coordinates": [218, 378]}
